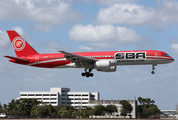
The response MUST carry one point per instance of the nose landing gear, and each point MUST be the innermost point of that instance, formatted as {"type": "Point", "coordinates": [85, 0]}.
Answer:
{"type": "Point", "coordinates": [153, 68]}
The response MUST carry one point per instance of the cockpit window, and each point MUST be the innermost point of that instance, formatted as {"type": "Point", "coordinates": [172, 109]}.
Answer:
{"type": "Point", "coordinates": [165, 55]}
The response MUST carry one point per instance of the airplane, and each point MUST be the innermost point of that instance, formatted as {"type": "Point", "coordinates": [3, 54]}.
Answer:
{"type": "Point", "coordinates": [105, 61]}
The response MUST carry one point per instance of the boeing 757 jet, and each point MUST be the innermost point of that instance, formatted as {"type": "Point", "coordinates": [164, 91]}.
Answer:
{"type": "Point", "coordinates": [105, 61]}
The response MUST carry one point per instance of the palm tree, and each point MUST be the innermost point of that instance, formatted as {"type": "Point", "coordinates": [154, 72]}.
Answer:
{"type": "Point", "coordinates": [148, 101]}
{"type": "Point", "coordinates": [140, 99]}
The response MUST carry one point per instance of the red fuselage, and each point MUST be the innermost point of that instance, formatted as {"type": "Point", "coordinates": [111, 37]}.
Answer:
{"type": "Point", "coordinates": [57, 60]}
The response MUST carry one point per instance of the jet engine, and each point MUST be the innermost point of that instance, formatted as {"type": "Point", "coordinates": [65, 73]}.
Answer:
{"type": "Point", "coordinates": [110, 69]}
{"type": "Point", "coordinates": [102, 64]}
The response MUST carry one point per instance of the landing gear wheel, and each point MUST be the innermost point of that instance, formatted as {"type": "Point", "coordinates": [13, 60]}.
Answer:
{"type": "Point", "coordinates": [83, 74]}
{"type": "Point", "coordinates": [87, 74]}
{"type": "Point", "coordinates": [91, 74]}
{"type": "Point", "coordinates": [153, 68]}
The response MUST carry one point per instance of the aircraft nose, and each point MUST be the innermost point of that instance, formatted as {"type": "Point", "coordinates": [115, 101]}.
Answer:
{"type": "Point", "coordinates": [172, 59]}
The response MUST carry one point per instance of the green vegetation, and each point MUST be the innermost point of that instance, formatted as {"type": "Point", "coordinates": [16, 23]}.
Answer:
{"type": "Point", "coordinates": [126, 107]}
{"type": "Point", "coordinates": [36, 109]}
{"type": "Point", "coordinates": [147, 108]}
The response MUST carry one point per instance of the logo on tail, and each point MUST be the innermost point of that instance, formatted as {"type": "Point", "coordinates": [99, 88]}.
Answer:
{"type": "Point", "coordinates": [18, 43]}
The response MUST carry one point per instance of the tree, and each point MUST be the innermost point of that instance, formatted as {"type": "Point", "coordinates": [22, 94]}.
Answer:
{"type": "Point", "coordinates": [126, 107]}
{"type": "Point", "coordinates": [65, 114]}
{"type": "Point", "coordinates": [50, 109]}
{"type": "Point", "coordinates": [91, 111]}
{"type": "Point", "coordinates": [148, 101]}
{"type": "Point", "coordinates": [111, 108]}
{"type": "Point", "coordinates": [60, 113]}
{"type": "Point", "coordinates": [4, 109]}
{"type": "Point", "coordinates": [70, 111]}
{"type": "Point", "coordinates": [147, 108]}
{"type": "Point", "coordinates": [67, 107]}
{"type": "Point", "coordinates": [74, 114]}
{"type": "Point", "coordinates": [21, 106]}
{"type": "Point", "coordinates": [85, 113]}
{"type": "Point", "coordinates": [99, 109]}
{"type": "Point", "coordinates": [140, 100]}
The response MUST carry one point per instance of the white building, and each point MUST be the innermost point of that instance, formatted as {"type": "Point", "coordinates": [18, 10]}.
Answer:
{"type": "Point", "coordinates": [57, 96]}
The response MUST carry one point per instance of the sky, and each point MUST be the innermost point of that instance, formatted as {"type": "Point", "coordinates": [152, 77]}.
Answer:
{"type": "Point", "coordinates": [92, 25]}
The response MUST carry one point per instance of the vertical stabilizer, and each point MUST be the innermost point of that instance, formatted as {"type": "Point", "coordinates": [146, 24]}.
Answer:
{"type": "Point", "coordinates": [21, 47]}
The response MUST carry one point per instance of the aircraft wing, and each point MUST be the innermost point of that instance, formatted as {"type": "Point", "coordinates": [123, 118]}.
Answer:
{"type": "Point", "coordinates": [16, 58]}
{"type": "Point", "coordinates": [77, 58]}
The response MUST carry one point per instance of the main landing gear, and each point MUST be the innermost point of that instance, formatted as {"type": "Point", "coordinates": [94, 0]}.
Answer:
{"type": "Point", "coordinates": [153, 68]}
{"type": "Point", "coordinates": [87, 74]}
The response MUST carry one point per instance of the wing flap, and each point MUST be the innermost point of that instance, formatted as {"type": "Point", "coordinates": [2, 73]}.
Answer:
{"type": "Point", "coordinates": [16, 58]}
{"type": "Point", "coordinates": [78, 58]}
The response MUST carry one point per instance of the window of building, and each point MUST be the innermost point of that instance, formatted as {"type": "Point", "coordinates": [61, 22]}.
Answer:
{"type": "Point", "coordinates": [77, 98]}
{"type": "Point", "coordinates": [53, 102]}
{"type": "Point", "coordinates": [30, 94]}
{"type": "Point", "coordinates": [53, 98]}
{"type": "Point", "coordinates": [78, 103]}
{"type": "Point", "coordinates": [53, 94]}
{"type": "Point", "coordinates": [45, 94]}
{"type": "Point", "coordinates": [84, 95]}
{"type": "Point", "coordinates": [84, 98]}
{"type": "Point", "coordinates": [46, 102]}
{"type": "Point", "coordinates": [92, 95]}
{"type": "Point", "coordinates": [38, 94]}
{"type": "Point", "coordinates": [70, 95]}
{"type": "Point", "coordinates": [70, 99]}
{"type": "Point", "coordinates": [77, 95]}
{"type": "Point", "coordinates": [84, 103]}
{"type": "Point", "coordinates": [23, 95]}
{"type": "Point", "coordinates": [69, 102]}
{"type": "Point", "coordinates": [45, 98]}
{"type": "Point", "coordinates": [64, 99]}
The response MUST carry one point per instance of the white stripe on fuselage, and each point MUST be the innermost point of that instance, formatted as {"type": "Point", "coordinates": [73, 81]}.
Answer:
{"type": "Point", "coordinates": [47, 61]}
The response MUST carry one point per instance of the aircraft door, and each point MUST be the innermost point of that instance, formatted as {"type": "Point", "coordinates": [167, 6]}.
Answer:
{"type": "Point", "coordinates": [37, 58]}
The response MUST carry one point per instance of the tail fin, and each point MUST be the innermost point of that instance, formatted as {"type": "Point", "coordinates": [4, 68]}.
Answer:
{"type": "Point", "coordinates": [21, 47]}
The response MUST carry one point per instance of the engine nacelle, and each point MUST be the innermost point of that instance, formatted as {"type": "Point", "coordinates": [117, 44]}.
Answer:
{"type": "Point", "coordinates": [102, 64]}
{"type": "Point", "coordinates": [110, 69]}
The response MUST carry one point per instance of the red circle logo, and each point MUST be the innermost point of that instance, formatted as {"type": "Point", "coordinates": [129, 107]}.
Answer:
{"type": "Point", "coordinates": [18, 43]}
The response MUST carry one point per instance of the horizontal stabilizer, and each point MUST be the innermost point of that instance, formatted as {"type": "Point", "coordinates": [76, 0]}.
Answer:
{"type": "Point", "coordinates": [16, 58]}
